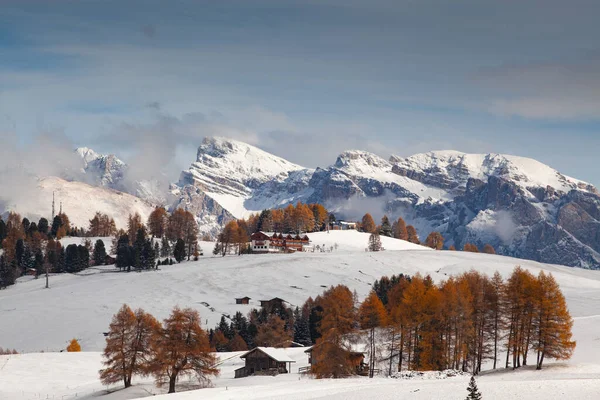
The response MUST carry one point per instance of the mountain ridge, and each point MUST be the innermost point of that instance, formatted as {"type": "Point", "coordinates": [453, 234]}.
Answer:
{"type": "Point", "coordinates": [521, 206]}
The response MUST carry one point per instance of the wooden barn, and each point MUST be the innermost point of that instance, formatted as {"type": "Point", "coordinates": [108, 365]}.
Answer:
{"type": "Point", "coordinates": [274, 302]}
{"type": "Point", "coordinates": [243, 300]}
{"type": "Point", "coordinates": [265, 361]}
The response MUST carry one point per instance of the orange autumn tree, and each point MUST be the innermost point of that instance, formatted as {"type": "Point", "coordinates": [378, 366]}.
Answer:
{"type": "Point", "coordinates": [368, 223]}
{"type": "Point", "coordinates": [435, 240]}
{"type": "Point", "coordinates": [413, 237]}
{"type": "Point", "coordinates": [331, 353]}
{"type": "Point", "coordinates": [553, 322]}
{"type": "Point", "coordinates": [157, 222]}
{"type": "Point", "coordinates": [182, 348]}
{"type": "Point", "coordinates": [400, 232]}
{"type": "Point", "coordinates": [73, 346]}
{"type": "Point", "coordinates": [127, 350]}
{"type": "Point", "coordinates": [372, 314]}
{"type": "Point", "coordinates": [273, 333]}
{"type": "Point", "coordinates": [488, 249]}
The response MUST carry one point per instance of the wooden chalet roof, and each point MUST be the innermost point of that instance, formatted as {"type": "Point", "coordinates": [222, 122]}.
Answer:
{"type": "Point", "coordinates": [274, 353]}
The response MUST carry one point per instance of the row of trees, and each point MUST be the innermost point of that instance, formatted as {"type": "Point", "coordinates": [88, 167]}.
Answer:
{"type": "Point", "coordinates": [35, 247]}
{"type": "Point", "coordinates": [138, 344]}
{"type": "Point", "coordinates": [400, 230]}
{"type": "Point", "coordinates": [30, 247]}
{"type": "Point", "coordinates": [454, 325]}
{"type": "Point", "coordinates": [291, 219]}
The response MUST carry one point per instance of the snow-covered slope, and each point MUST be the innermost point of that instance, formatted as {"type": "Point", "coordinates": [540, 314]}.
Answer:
{"type": "Point", "coordinates": [80, 306]}
{"type": "Point", "coordinates": [80, 202]}
{"type": "Point", "coordinates": [86, 302]}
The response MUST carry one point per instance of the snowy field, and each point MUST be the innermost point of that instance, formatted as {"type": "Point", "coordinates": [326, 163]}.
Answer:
{"type": "Point", "coordinates": [33, 319]}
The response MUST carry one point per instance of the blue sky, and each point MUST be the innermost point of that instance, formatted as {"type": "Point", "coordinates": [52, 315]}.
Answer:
{"type": "Point", "coordinates": [305, 79]}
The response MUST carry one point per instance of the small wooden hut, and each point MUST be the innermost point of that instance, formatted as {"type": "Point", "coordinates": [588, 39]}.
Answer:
{"type": "Point", "coordinates": [265, 361]}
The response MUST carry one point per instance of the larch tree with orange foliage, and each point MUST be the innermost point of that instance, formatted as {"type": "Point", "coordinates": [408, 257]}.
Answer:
{"type": "Point", "coordinates": [229, 237]}
{"type": "Point", "coordinates": [157, 222]}
{"type": "Point", "coordinates": [237, 343]}
{"type": "Point", "coordinates": [435, 240]}
{"type": "Point", "coordinates": [413, 237]}
{"type": "Point", "coordinates": [273, 333]}
{"type": "Point", "coordinates": [134, 224]}
{"type": "Point", "coordinates": [182, 348]}
{"type": "Point", "coordinates": [331, 353]}
{"type": "Point", "coordinates": [400, 231]}
{"type": "Point", "coordinates": [553, 322]}
{"type": "Point", "coordinates": [488, 249]}
{"type": "Point", "coordinates": [372, 315]}
{"type": "Point", "coordinates": [127, 350]}
{"type": "Point", "coordinates": [319, 215]}
{"type": "Point", "coordinates": [74, 346]}
{"type": "Point", "coordinates": [471, 248]}
{"type": "Point", "coordinates": [368, 223]}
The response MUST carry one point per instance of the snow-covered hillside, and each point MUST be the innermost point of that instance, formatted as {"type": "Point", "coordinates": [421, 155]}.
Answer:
{"type": "Point", "coordinates": [86, 302]}
{"type": "Point", "coordinates": [80, 202]}
{"type": "Point", "coordinates": [81, 306]}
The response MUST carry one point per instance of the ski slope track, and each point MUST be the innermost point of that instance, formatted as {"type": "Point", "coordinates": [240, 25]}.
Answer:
{"type": "Point", "coordinates": [81, 306]}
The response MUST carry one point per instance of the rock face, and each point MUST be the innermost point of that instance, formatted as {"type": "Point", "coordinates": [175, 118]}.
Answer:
{"type": "Point", "coordinates": [520, 206]}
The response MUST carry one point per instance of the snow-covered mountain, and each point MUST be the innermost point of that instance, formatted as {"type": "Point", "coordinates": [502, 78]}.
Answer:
{"type": "Point", "coordinates": [80, 201]}
{"type": "Point", "coordinates": [522, 207]}
{"type": "Point", "coordinates": [109, 171]}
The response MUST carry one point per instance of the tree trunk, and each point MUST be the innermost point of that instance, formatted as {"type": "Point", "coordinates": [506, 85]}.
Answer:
{"type": "Point", "coordinates": [172, 380]}
{"type": "Point", "coordinates": [392, 352]}
{"type": "Point", "coordinates": [539, 366]}
{"type": "Point", "coordinates": [495, 340]}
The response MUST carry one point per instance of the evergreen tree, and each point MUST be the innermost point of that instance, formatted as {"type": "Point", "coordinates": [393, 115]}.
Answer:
{"type": "Point", "coordinates": [57, 223]}
{"type": "Point", "coordinates": [7, 273]}
{"type": "Point", "coordinates": [265, 221]}
{"type": "Point", "coordinates": [217, 249]}
{"type": "Point", "coordinates": [386, 228]}
{"type": "Point", "coordinates": [84, 257]}
{"type": "Point", "coordinates": [149, 256]}
{"type": "Point", "coordinates": [42, 226]}
{"type": "Point", "coordinates": [38, 262]}
{"type": "Point", "coordinates": [165, 249]}
{"type": "Point", "coordinates": [99, 255]}
{"type": "Point", "coordinates": [124, 253]}
{"type": "Point", "coordinates": [314, 323]}
{"type": "Point", "coordinates": [139, 261]}
{"type": "Point", "coordinates": [20, 252]}
{"type": "Point", "coordinates": [225, 328]}
{"type": "Point", "coordinates": [71, 258]}
{"type": "Point", "coordinates": [474, 393]}
{"type": "Point", "coordinates": [26, 223]}
{"type": "Point", "coordinates": [156, 252]}
{"type": "Point", "coordinates": [3, 231]}
{"type": "Point", "coordinates": [301, 329]}
{"type": "Point", "coordinates": [179, 251]}
{"type": "Point", "coordinates": [374, 242]}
